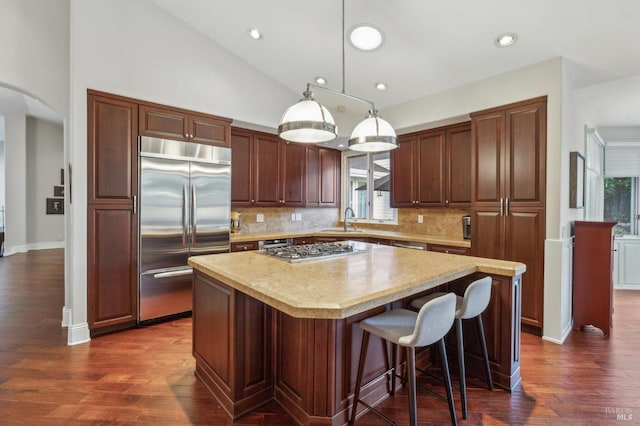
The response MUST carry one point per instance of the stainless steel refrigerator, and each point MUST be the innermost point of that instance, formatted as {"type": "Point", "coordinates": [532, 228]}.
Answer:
{"type": "Point", "coordinates": [184, 210]}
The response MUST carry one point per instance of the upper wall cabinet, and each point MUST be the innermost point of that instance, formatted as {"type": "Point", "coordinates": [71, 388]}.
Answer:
{"type": "Point", "coordinates": [269, 172]}
{"type": "Point", "coordinates": [184, 125]}
{"type": "Point", "coordinates": [112, 150]}
{"type": "Point", "coordinates": [432, 168]}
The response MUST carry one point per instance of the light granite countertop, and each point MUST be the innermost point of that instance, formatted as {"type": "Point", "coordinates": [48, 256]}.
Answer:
{"type": "Point", "coordinates": [338, 232]}
{"type": "Point", "coordinates": [339, 287]}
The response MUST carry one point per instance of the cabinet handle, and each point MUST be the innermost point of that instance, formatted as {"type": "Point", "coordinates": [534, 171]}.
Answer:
{"type": "Point", "coordinates": [135, 204]}
{"type": "Point", "coordinates": [506, 207]}
{"type": "Point", "coordinates": [501, 206]}
{"type": "Point", "coordinates": [245, 248]}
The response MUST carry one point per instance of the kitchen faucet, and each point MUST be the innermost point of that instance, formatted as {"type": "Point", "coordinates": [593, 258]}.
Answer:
{"type": "Point", "coordinates": [346, 225]}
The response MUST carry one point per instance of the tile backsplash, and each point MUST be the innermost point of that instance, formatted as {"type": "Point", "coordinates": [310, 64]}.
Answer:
{"type": "Point", "coordinates": [440, 221]}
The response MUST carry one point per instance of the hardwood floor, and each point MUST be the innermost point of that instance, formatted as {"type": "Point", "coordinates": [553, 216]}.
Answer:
{"type": "Point", "coordinates": [145, 376]}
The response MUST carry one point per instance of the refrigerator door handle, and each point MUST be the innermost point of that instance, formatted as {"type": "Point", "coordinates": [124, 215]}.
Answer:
{"type": "Point", "coordinates": [185, 195]}
{"type": "Point", "coordinates": [194, 215]}
{"type": "Point", "coordinates": [170, 274]}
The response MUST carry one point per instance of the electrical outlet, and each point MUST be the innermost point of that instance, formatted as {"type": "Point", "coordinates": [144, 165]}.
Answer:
{"type": "Point", "coordinates": [259, 218]}
{"type": "Point", "coordinates": [293, 217]}
{"type": "Point", "coordinates": [299, 217]}
{"type": "Point", "coordinates": [420, 218]}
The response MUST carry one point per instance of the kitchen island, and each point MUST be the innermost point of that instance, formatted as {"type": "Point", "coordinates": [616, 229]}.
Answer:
{"type": "Point", "coordinates": [265, 328]}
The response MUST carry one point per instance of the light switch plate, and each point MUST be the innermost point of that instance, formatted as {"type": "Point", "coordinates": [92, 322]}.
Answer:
{"type": "Point", "coordinates": [259, 217]}
{"type": "Point", "coordinates": [420, 218]}
{"type": "Point", "coordinates": [293, 217]}
{"type": "Point", "coordinates": [298, 217]}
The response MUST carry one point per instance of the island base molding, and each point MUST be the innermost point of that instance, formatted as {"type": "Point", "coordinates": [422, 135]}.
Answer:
{"type": "Point", "coordinates": [248, 353]}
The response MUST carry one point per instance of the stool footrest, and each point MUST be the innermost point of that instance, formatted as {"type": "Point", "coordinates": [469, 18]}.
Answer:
{"type": "Point", "coordinates": [378, 413]}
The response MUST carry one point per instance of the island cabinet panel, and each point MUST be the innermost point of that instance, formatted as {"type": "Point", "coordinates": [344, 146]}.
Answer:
{"type": "Point", "coordinates": [508, 169]}
{"type": "Point", "coordinates": [448, 249]}
{"type": "Point", "coordinates": [502, 331]}
{"type": "Point", "coordinates": [232, 345]}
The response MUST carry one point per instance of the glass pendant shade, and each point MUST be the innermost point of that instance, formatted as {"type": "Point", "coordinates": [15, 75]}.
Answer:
{"type": "Point", "coordinates": [307, 121]}
{"type": "Point", "coordinates": [373, 134]}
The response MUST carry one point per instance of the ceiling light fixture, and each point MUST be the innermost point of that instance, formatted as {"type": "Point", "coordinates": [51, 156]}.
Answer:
{"type": "Point", "coordinates": [309, 121]}
{"type": "Point", "coordinates": [506, 39]}
{"type": "Point", "coordinates": [321, 81]}
{"type": "Point", "coordinates": [254, 33]}
{"type": "Point", "coordinates": [381, 86]}
{"type": "Point", "coordinates": [365, 37]}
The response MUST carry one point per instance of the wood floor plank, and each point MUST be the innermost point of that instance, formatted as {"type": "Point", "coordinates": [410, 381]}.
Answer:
{"type": "Point", "coordinates": [146, 376]}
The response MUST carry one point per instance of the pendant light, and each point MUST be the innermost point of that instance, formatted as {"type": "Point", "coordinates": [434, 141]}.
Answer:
{"type": "Point", "coordinates": [309, 121]}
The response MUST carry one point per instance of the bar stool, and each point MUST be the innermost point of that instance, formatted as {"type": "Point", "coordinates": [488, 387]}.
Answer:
{"type": "Point", "coordinates": [475, 301]}
{"type": "Point", "coordinates": [409, 329]}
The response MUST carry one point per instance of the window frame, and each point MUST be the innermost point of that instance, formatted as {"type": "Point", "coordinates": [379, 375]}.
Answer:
{"type": "Point", "coordinates": [345, 189]}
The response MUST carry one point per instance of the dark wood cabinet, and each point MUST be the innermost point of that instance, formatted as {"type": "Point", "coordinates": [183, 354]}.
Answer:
{"type": "Point", "coordinates": [447, 249]}
{"type": "Point", "coordinates": [177, 124]}
{"type": "Point", "coordinates": [303, 240]}
{"type": "Point", "coordinates": [592, 275]}
{"type": "Point", "coordinates": [432, 168]}
{"type": "Point", "coordinates": [112, 301]}
{"type": "Point", "coordinates": [244, 246]}
{"type": "Point", "coordinates": [508, 194]}
{"type": "Point", "coordinates": [114, 124]}
{"type": "Point", "coordinates": [267, 171]}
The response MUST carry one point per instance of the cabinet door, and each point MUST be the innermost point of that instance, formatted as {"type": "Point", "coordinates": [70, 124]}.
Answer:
{"type": "Point", "coordinates": [241, 168]}
{"type": "Point", "coordinates": [163, 123]}
{"type": "Point", "coordinates": [447, 249]}
{"type": "Point", "coordinates": [209, 130]}
{"type": "Point", "coordinates": [487, 233]}
{"type": "Point", "coordinates": [292, 174]}
{"type": "Point", "coordinates": [402, 173]}
{"type": "Point", "coordinates": [525, 152]}
{"type": "Point", "coordinates": [313, 176]}
{"type": "Point", "coordinates": [431, 165]}
{"type": "Point", "coordinates": [524, 242]}
{"type": "Point", "coordinates": [267, 170]}
{"type": "Point", "coordinates": [112, 290]}
{"type": "Point", "coordinates": [459, 167]}
{"type": "Point", "coordinates": [487, 138]}
{"type": "Point", "coordinates": [329, 177]}
{"type": "Point", "coordinates": [112, 151]}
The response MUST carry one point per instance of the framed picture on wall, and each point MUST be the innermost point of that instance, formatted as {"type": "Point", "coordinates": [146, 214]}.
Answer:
{"type": "Point", "coordinates": [55, 205]}
{"type": "Point", "coordinates": [576, 180]}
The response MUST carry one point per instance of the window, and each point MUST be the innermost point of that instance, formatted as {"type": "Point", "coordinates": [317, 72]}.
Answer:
{"type": "Point", "coordinates": [366, 186]}
{"type": "Point", "coordinates": [621, 204]}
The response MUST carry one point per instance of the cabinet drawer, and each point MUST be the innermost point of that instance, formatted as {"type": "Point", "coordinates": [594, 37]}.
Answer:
{"type": "Point", "coordinates": [448, 249]}
{"type": "Point", "coordinates": [245, 246]}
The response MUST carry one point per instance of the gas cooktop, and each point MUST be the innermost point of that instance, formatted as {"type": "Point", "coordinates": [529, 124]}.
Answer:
{"type": "Point", "coordinates": [315, 251]}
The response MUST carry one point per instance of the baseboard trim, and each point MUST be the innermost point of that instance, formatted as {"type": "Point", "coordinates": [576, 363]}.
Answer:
{"type": "Point", "coordinates": [78, 334]}
{"type": "Point", "coordinates": [11, 250]}
{"type": "Point", "coordinates": [565, 333]}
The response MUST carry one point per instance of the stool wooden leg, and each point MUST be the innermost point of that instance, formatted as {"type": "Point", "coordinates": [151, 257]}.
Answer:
{"type": "Point", "coordinates": [447, 381]}
{"type": "Point", "coordinates": [485, 354]}
{"type": "Point", "coordinates": [361, 361]}
{"type": "Point", "coordinates": [411, 366]}
{"type": "Point", "coordinates": [394, 364]}
{"type": "Point", "coordinates": [463, 378]}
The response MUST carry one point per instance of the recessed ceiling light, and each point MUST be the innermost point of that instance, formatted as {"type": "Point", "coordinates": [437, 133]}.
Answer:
{"type": "Point", "coordinates": [506, 39]}
{"type": "Point", "coordinates": [381, 86]}
{"type": "Point", "coordinates": [365, 37]}
{"type": "Point", "coordinates": [254, 33]}
{"type": "Point", "coordinates": [321, 81]}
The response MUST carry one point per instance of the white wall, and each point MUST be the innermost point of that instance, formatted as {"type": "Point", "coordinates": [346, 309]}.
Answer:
{"type": "Point", "coordinates": [15, 172]}
{"type": "Point", "coordinates": [45, 158]}
{"type": "Point", "coordinates": [2, 180]}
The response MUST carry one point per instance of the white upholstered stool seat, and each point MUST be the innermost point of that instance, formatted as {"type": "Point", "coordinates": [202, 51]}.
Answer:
{"type": "Point", "coordinates": [475, 300]}
{"type": "Point", "coordinates": [410, 329]}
